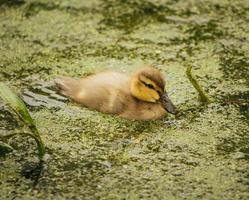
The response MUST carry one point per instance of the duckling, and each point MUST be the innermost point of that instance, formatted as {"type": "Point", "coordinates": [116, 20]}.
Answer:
{"type": "Point", "coordinates": [140, 97]}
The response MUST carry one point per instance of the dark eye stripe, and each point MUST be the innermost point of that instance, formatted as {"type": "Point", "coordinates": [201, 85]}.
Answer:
{"type": "Point", "coordinates": [148, 85]}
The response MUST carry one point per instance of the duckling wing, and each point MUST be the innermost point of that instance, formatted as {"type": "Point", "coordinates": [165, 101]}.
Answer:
{"type": "Point", "coordinates": [105, 92]}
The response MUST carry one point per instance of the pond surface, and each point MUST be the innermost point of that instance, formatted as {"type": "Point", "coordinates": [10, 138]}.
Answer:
{"type": "Point", "coordinates": [202, 154]}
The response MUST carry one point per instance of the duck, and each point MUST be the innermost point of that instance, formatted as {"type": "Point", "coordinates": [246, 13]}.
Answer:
{"type": "Point", "coordinates": [142, 96]}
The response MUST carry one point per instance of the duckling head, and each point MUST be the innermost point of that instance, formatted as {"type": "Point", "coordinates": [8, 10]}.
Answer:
{"type": "Point", "coordinates": [147, 84]}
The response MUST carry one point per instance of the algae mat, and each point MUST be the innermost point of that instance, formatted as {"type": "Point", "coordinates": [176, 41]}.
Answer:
{"type": "Point", "coordinates": [202, 154]}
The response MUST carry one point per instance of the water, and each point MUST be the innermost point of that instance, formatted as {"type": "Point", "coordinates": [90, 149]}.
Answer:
{"type": "Point", "coordinates": [202, 154]}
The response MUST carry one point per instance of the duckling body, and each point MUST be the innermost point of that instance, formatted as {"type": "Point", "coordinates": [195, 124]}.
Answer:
{"type": "Point", "coordinates": [114, 93]}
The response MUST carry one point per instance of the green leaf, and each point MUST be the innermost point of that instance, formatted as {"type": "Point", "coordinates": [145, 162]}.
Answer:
{"type": "Point", "coordinates": [18, 106]}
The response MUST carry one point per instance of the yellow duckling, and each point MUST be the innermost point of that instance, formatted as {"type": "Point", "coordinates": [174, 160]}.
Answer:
{"type": "Point", "coordinates": [140, 97]}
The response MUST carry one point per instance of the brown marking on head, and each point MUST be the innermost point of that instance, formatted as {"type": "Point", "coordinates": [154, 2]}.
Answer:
{"type": "Point", "coordinates": [154, 75]}
{"type": "Point", "coordinates": [147, 84]}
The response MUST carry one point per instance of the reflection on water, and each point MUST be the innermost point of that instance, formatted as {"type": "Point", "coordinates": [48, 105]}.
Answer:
{"type": "Point", "coordinates": [43, 95]}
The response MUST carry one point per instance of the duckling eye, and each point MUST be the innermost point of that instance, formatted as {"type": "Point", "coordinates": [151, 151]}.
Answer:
{"type": "Point", "coordinates": [148, 85]}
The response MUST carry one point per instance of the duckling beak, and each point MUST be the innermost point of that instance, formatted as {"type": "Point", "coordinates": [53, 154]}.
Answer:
{"type": "Point", "coordinates": [167, 104]}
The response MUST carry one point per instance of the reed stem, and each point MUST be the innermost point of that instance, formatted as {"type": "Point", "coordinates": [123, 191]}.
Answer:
{"type": "Point", "coordinates": [202, 95]}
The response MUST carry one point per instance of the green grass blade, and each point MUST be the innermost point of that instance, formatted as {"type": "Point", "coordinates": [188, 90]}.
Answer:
{"type": "Point", "coordinates": [18, 106]}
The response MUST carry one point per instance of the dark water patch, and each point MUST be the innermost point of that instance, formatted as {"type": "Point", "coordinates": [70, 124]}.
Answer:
{"type": "Point", "coordinates": [191, 112]}
{"type": "Point", "coordinates": [27, 72]}
{"type": "Point", "coordinates": [70, 166]}
{"type": "Point", "coordinates": [114, 50]}
{"type": "Point", "coordinates": [187, 51]}
{"type": "Point", "coordinates": [95, 50]}
{"type": "Point", "coordinates": [33, 8]}
{"type": "Point", "coordinates": [222, 9]}
{"type": "Point", "coordinates": [244, 178]}
{"type": "Point", "coordinates": [240, 100]}
{"type": "Point", "coordinates": [196, 32]}
{"type": "Point", "coordinates": [209, 30]}
{"type": "Point", "coordinates": [9, 32]}
{"type": "Point", "coordinates": [130, 15]}
{"type": "Point", "coordinates": [87, 171]}
{"type": "Point", "coordinates": [127, 15]}
{"type": "Point", "coordinates": [236, 146]}
{"type": "Point", "coordinates": [236, 9]}
{"type": "Point", "coordinates": [32, 171]}
{"type": "Point", "coordinates": [24, 145]}
{"type": "Point", "coordinates": [18, 69]}
{"type": "Point", "coordinates": [234, 63]}
{"type": "Point", "coordinates": [12, 2]}
{"type": "Point", "coordinates": [123, 129]}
